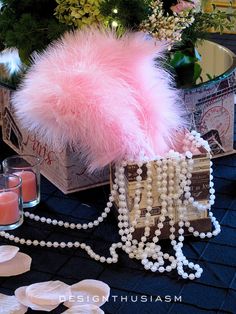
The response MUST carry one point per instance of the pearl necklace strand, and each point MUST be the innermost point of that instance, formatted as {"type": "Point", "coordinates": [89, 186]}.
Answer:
{"type": "Point", "coordinates": [173, 175]}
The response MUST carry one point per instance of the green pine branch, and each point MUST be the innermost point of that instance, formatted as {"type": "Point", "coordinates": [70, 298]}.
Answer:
{"type": "Point", "coordinates": [29, 25]}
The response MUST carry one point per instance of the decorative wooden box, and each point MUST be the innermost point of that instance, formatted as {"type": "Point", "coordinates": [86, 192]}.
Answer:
{"type": "Point", "coordinates": [4, 99]}
{"type": "Point", "coordinates": [211, 103]}
{"type": "Point", "coordinates": [65, 169]}
{"type": "Point", "coordinates": [199, 191]}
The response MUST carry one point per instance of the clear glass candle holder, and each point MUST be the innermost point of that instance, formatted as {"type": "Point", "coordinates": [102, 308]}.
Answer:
{"type": "Point", "coordinates": [11, 212]}
{"type": "Point", "coordinates": [28, 168]}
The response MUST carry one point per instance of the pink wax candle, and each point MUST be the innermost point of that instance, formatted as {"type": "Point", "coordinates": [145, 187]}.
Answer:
{"type": "Point", "coordinates": [9, 208]}
{"type": "Point", "coordinates": [29, 186]}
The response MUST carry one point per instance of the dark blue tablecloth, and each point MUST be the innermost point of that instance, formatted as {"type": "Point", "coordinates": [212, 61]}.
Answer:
{"type": "Point", "coordinates": [214, 292]}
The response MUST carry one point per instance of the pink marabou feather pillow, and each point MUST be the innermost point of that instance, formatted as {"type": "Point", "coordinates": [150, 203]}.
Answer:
{"type": "Point", "coordinates": [101, 94]}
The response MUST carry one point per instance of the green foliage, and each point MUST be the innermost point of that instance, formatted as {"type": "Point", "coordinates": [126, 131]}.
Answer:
{"type": "Point", "coordinates": [184, 63]}
{"type": "Point", "coordinates": [216, 20]}
{"type": "Point", "coordinates": [184, 57]}
{"type": "Point", "coordinates": [79, 13]}
{"type": "Point", "coordinates": [28, 25]}
{"type": "Point", "coordinates": [127, 13]}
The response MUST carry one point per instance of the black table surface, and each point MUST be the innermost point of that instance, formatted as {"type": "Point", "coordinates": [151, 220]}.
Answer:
{"type": "Point", "coordinates": [214, 292]}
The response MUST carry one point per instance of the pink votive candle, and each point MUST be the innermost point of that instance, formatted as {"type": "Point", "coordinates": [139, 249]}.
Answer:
{"type": "Point", "coordinates": [9, 208]}
{"type": "Point", "coordinates": [29, 186]}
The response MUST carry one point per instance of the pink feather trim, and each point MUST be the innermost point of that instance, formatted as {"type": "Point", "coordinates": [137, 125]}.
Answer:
{"type": "Point", "coordinates": [101, 94]}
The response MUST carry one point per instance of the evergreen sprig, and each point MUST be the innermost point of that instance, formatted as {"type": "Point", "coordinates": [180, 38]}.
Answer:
{"type": "Point", "coordinates": [28, 25]}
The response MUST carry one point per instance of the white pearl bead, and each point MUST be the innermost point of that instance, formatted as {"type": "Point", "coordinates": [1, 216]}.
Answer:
{"type": "Point", "coordinates": [215, 232]}
{"type": "Point", "coordinates": [191, 229]}
{"type": "Point", "coordinates": [122, 190]}
{"type": "Point", "coordinates": [90, 225]}
{"type": "Point", "coordinates": [168, 268]}
{"type": "Point", "coordinates": [191, 276]}
{"type": "Point", "coordinates": [209, 234]}
{"type": "Point", "coordinates": [122, 197]}
{"type": "Point", "coordinates": [162, 219]}
{"type": "Point", "coordinates": [16, 239]}
{"type": "Point", "coordinates": [102, 259]}
{"type": "Point", "coordinates": [154, 268]}
{"type": "Point", "coordinates": [184, 275]}
{"type": "Point", "coordinates": [113, 192]}
{"type": "Point", "coordinates": [197, 275]}
{"type": "Point", "coordinates": [143, 239]}
{"type": "Point", "coordinates": [202, 235]}
{"type": "Point", "coordinates": [196, 233]}
{"type": "Point", "coordinates": [97, 257]}
{"type": "Point", "coordinates": [173, 242]}
{"type": "Point", "coordinates": [139, 178]}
